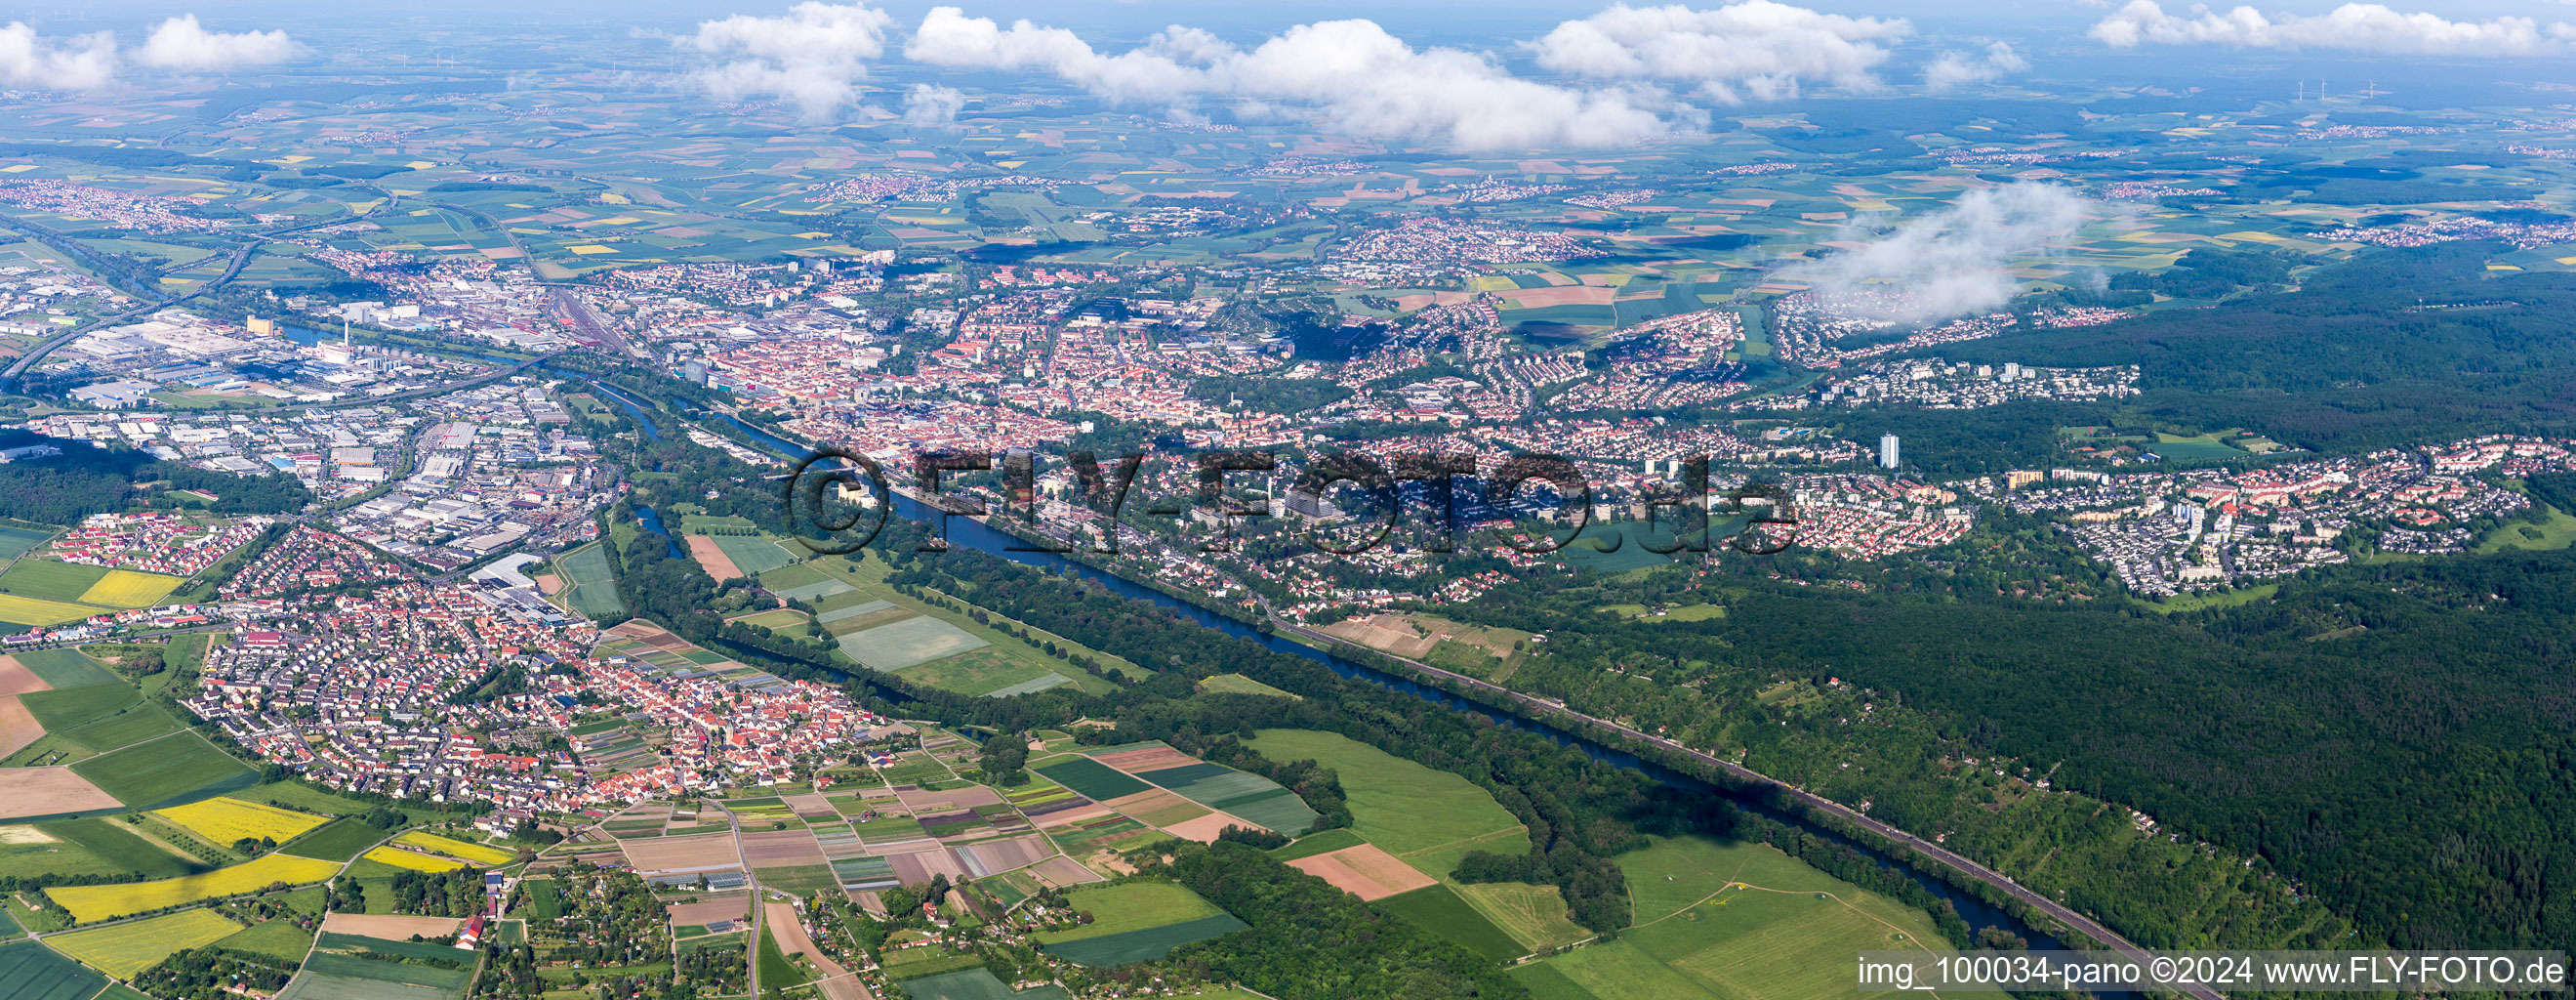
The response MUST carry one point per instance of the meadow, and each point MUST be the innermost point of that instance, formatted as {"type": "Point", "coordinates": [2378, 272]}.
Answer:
{"type": "Point", "coordinates": [1427, 818]}
{"type": "Point", "coordinates": [1724, 919]}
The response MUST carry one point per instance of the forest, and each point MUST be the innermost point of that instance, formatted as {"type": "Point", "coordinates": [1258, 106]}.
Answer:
{"type": "Point", "coordinates": [84, 480]}
{"type": "Point", "coordinates": [2299, 731]}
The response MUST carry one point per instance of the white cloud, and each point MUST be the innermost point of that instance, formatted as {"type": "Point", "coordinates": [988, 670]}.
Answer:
{"type": "Point", "coordinates": [183, 44]}
{"type": "Point", "coordinates": [1952, 261]}
{"type": "Point", "coordinates": [813, 56]}
{"type": "Point", "coordinates": [82, 62]}
{"type": "Point", "coordinates": [1753, 49]}
{"type": "Point", "coordinates": [1351, 73]}
{"type": "Point", "coordinates": [2353, 27]}
{"type": "Point", "coordinates": [1953, 70]}
{"type": "Point", "coordinates": [930, 104]}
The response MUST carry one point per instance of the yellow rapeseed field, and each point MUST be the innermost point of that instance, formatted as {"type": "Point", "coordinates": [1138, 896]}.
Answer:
{"type": "Point", "coordinates": [477, 853]}
{"type": "Point", "coordinates": [125, 588]}
{"type": "Point", "coordinates": [103, 902]}
{"type": "Point", "coordinates": [413, 860]}
{"type": "Point", "coordinates": [225, 820]}
{"type": "Point", "coordinates": [126, 949]}
{"type": "Point", "coordinates": [36, 611]}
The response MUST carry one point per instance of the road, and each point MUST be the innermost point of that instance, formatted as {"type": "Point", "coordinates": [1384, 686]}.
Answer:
{"type": "Point", "coordinates": [1538, 708]}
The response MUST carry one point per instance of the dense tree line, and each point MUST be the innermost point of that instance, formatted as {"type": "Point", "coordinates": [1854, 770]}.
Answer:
{"type": "Point", "coordinates": [456, 893]}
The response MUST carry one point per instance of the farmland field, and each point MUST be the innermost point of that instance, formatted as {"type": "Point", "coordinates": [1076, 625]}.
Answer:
{"type": "Point", "coordinates": [102, 902]}
{"type": "Point", "coordinates": [116, 844]}
{"type": "Point", "coordinates": [1135, 922]}
{"type": "Point", "coordinates": [166, 770]}
{"type": "Point", "coordinates": [1440, 910]}
{"type": "Point", "coordinates": [33, 611]}
{"type": "Point", "coordinates": [413, 860]}
{"type": "Point", "coordinates": [1724, 919]}
{"type": "Point", "coordinates": [224, 820]}
{"type": "Point", "coordinates": [47, 580]}
{"type": "Point", "coordinates": [1427, 818]}
{"type": "Point", "coordinates": [339, 841]}
{"type": "Point", "coordinates": [477, 853]}
{"type": "Point", "coordinates": [276, 938]}
{"type": "Point", "coordinates": [1130, 906]}
{"type": "Point", "coordinates": [125, 949]}
{"type": "Point", "coordinates": [62, 668]}
{"type": "Point", "coordinates": [16, 541]}
{"type": "Point", "coordinates": [754, 554]}
{"type": "Point", "coordinates": [125, 588]}
{"type": "Point", "coordinates": [350, 967]}
{"type": "Point", "coordinates": [31, 971]}
{"type": "Point", "coordinates": [1089, 778]}
{"type": "Point", "coordinates": [588, 587]}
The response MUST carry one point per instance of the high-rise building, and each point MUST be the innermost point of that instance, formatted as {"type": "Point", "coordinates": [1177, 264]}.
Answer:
{"type": "Point", "coordinates": [1887, 451]}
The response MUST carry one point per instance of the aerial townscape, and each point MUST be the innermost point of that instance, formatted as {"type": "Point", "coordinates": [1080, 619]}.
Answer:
{"type": "Point", "coordinates": [1759, 500]}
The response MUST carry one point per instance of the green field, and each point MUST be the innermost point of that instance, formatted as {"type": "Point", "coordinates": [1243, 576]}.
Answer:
{"type": "Point", "coordinates": [973, 984]}
{"type": "Point", "coordinates": [1137, 916]}
{"type": "Point", "coordinates": [1090, 779]}
{"type": "Point", "coordinates": [114, 842]}
{"type": "Point", "coordinates": [1134, 921]}
{"type": "Point", "coordinates": [339, 840]}
{"type": "Point", "coordinates": [1427, 818]}
{"type": "Point", "coordinates": [1440, 910]}
{"type": "Point", "coordinates": [1629, 537]}
{"type": "Point", "coordinates": [1534, 915]}
{"type": "Point", "coordinates": [1725, 919]}
{"type": "Point", "coordinates": [1239, 684]}
{"type": "Point", "coordinates": [47, 580]}
{"type": "Point", "coordinates": [166, 771]}
{"type": "Point", "coordinates": [588, 586]}
{"type": "Point", "coordinates": [776, 970]}
{"type": "Point", "coordinates": [276, 938]}
{"type": "Point", "coordinates": [425, 964]}
{"type": "Point", "coordinates": [62, 668]}
{"type": "Point", "coordinates": [754, 554]}
{"type": "Point", "coordinates": [2558, 532]}
{"type": "Point", "coordinates": [1321, 842]}
{"type": "Point", "coordinates": [31, 971]}
{"type": "Point", "coordinates": [16, 541]}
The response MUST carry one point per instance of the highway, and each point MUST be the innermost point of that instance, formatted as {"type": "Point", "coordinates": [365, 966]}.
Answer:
{"type": "Point", "coordinates": [1541, 708]}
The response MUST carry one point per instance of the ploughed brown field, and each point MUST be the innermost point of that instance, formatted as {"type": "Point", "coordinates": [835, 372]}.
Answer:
{"type": "Point", "coordinates": [1364, 871]}
{"type": "Point", "coordinates": [43, 791]}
